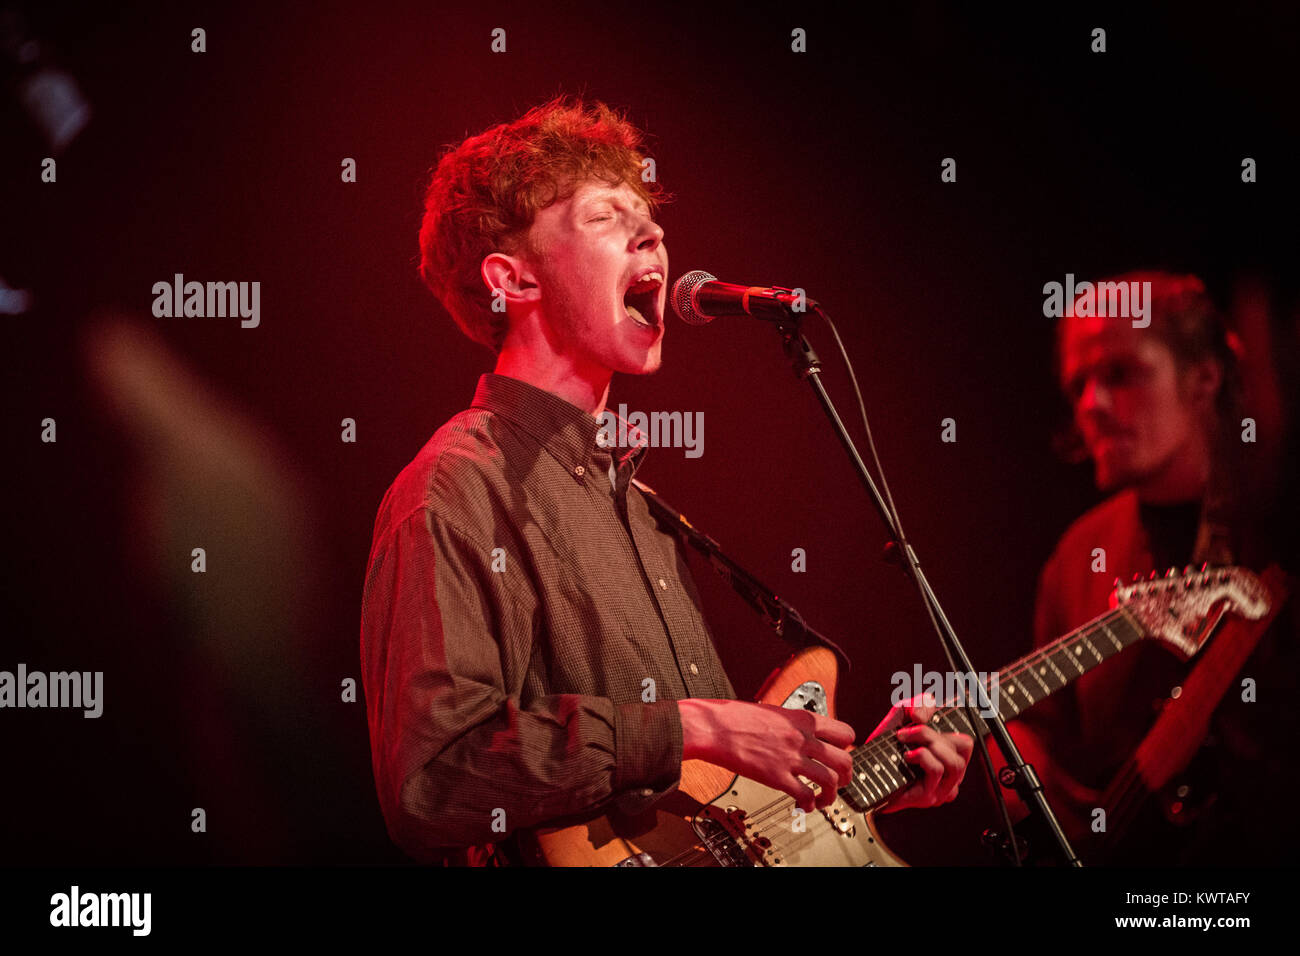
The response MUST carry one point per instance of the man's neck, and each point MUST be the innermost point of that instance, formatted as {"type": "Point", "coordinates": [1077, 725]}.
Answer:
{"type": "Point", "coordinates": [587, 389]}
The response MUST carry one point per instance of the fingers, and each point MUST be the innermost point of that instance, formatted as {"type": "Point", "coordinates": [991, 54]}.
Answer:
{"type": "Point", "coordinates": [835, 732]}
{"type": "Point", "coordinates": [825, 778]}
{"type": "Point", "coordinates": [799, 742]}
{"type": "Point", "coordinates": [823, 758]}
{"type": "Point", "coordinates": [943, 759]}
{"type": "Point", "coordinates": [916, 710]}
{"type": "Point", "coordinates": [919, 710]}
{"type": "Point", "coordinates": [838, 760]}
{"type": "Point", "coordinates": [804, 797]}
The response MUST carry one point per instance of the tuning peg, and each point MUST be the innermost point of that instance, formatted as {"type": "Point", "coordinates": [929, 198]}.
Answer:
{"type": "Point", "coordinates": [1152, 576]}
{"type": "Point", "coordinates": [1169, 573]}
{"type": "Point", "coordinates": [1137, 578]}
{"type": "Point", "coordinates": [1204, 566]}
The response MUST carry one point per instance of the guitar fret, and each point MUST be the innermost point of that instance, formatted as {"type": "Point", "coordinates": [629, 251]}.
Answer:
{"type": "Point", "coordinates": [883, 764]}
{"type": "Point", "coordinates": [1134, 633]}
{"type": "Point", "coordinates": [964, 725]}
{"type": "Point", "coordinates": [1038, 677]}
{"type": "Point", "coordinates": [1058, 678]}
{"type": "Point", "coordinates": [1028, 697]}
{"type": "Point", "coordinates": [1009, 698]}
{"type": "Point", "coordinates": [862, 774]}
{"type": "Point", "coordinates": [1072, 658]}
{"type": "Point", "coordinates": [864, 798]}
{"type": "Point", "coordinates": [873, 782]}
{"type": "Point", "coordinates": [879, 769]}
{"type": "Point", "coordinates": [1119, 646]}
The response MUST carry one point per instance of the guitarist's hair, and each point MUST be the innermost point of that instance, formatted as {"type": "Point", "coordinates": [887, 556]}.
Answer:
{"type": "Point", "coordinates": [485, 192]}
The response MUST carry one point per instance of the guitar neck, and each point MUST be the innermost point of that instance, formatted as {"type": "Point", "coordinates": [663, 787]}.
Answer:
{"type": "Point", "coordinates": [878, 765]}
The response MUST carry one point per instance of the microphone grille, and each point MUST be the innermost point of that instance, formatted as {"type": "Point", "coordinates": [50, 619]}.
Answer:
{"type": "Point", "coordinates": [683, 297]}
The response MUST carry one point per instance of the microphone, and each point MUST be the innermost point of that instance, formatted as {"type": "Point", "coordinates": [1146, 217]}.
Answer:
{"type": "Point", "coordinates": [698, 298]}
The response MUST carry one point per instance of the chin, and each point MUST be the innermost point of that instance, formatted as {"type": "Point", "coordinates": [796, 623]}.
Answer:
{"type": "Point", "coordinates": [651, 365]}
{"type": "Point", "coordinates": [1114, 477]}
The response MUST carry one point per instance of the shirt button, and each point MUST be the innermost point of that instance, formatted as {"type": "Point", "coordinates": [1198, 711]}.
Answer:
{"type": "Point", "coordinates": [694, 669]}
{"type": "Point", "coordinates": [647, 792]}
{"type": "Point", "coordinates": [580, 471]}
{"type": "Point", "coordinates": [663, 584]}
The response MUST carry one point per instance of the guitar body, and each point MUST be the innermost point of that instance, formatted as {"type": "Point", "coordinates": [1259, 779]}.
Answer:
{"type": "Point", "coordinates": [716, 818]}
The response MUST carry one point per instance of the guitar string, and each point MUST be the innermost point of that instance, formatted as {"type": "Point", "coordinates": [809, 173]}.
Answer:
{"type": "Point", "coordinates": [761, 817]}
{"type": "Point", "coordinates": [889, 742]}
{"type": "Point", "coordinates": [1013, 672]}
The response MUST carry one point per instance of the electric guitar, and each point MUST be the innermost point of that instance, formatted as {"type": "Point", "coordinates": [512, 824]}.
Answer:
{"type": "Point", "coordinates": [717, 818]}
{"type": "Point", "coordinates": [1162, 774]}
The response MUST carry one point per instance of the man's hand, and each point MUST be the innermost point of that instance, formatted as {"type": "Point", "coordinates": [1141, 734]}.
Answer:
{"type": "Point", "coordinates": [772, 745]}
{"type": "Point", "coordinates": [942, 757]}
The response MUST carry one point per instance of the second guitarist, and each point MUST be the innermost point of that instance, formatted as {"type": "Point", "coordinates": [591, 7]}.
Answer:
{"type": "Point", "coordinates": [1158, 411]}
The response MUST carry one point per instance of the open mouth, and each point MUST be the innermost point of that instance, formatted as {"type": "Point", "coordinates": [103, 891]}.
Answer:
{"type": "Point", "coordinates": [642, 300]}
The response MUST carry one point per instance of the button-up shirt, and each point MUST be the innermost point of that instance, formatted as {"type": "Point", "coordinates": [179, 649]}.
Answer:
{"type": "Point", "coordinates": [527, 628]}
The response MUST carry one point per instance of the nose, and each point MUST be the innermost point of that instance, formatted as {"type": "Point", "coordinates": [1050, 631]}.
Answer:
{"type": "Point", "coordinates": [1094, 397]}
{"type": "Point", "coordinates": [649, 236]}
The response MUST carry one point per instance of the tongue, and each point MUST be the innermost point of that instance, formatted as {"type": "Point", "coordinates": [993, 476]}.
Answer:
{"type": "Point", "coordinates": [645, 285]}
{"type": "Point", "coordinates": [636, 314]}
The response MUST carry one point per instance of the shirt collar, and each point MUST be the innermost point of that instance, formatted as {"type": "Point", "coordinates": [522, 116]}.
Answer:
{"type": "Point", "coordinates": [566, 432]}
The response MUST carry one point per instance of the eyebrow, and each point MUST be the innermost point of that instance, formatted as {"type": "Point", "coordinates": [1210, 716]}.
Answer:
{"type": "Point", "coordinates": [610, 196]}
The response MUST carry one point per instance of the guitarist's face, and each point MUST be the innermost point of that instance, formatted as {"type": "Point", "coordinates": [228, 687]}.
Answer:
{"type": "Point", "coordinates": [1142, 417]}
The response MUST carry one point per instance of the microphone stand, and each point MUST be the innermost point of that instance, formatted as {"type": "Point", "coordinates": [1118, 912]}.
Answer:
{"type": "Point", "coordinates": [1019, 774]}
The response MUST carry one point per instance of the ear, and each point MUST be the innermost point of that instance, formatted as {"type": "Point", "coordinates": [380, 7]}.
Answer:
{"type": "Point", "coordinates": [1203, 380]}
{"type": "Point", "coordinates": [513, 276]}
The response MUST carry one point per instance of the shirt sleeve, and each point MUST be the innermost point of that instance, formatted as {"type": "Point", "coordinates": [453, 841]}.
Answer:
{"type": "Point", "coordinates": [457, 760]}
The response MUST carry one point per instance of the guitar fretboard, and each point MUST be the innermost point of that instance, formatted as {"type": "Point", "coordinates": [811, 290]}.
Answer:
{"type": "Point", "coordinates": [879, 770]}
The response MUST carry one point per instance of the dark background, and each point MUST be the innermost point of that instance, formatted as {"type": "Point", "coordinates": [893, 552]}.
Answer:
{"type": "Point", "coordinates": [820, 170]}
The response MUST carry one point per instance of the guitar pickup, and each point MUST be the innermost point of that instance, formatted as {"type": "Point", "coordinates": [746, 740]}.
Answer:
{"type": "Point", "coordinates": [837, 814]}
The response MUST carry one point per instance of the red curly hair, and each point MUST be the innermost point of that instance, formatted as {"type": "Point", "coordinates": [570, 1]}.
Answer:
{"type": "Point", "coordinates": [485, 193]}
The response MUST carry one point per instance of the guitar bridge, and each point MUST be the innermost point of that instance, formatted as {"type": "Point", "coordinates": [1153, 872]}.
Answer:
{"type": "Point", "coordinates": [718, 834]}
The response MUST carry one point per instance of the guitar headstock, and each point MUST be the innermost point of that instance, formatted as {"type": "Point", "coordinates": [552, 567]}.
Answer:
{"type": "Point", "coordinates": [1184, 609]}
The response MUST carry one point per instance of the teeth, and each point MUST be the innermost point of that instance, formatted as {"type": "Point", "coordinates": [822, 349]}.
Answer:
{"type": "Point", "coordinates": [653, 278]}
{"type": "Point", "coordinates": [638, 318]}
